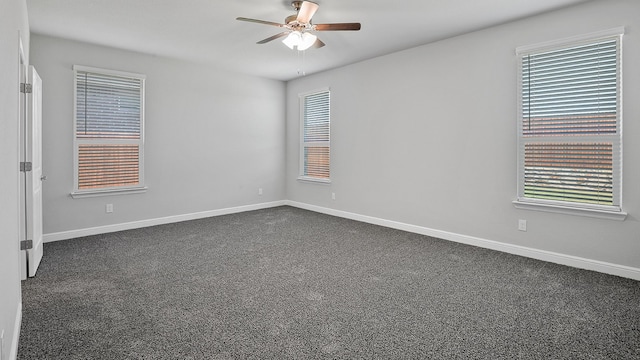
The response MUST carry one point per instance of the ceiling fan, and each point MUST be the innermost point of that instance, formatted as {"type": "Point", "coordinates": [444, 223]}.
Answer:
{"type": "Point", "coordinates": [299, 27]}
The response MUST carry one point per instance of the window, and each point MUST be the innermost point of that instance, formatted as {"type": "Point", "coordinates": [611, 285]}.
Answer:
{"type": "Point", "coordinates": [569, 131]}
{"type": "Point", "coordinates": [108, 131]}
{"type": "Point", "coordinates": [315, 136]}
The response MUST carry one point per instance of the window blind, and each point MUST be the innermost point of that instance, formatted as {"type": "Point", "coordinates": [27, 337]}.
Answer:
{"type": "Point", "coordinates": [108, 130]}
{"type": "Point", "coordinates": [316, 161]}
{"type": "Point", "coordinates": [571, 91]}
{"type": "Point", "coordinates": [570, 138]}
{"type": "Point", "coordinates": [316, 135]}
{"type": "Point", "coordinates": [107, 106]}
{"type": "Point", "coordinates": [105, 165]}
{"type": "Point", "coordinates": [574, 172]}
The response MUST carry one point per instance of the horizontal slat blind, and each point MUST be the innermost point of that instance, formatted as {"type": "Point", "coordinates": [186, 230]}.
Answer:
{"type": "Point", "coordinates": [101, 166]}
{"type": "Point", "coordinates": [316, 117]}
{"type": "Point", "coordinates": [575, 172]}
{"type": "Point", "coordinates": [570, 130]}
{"type": "Point", "coordinates": [316, 135]}
{"type": "Point", "coordinates": [107, 106]}
{"type": "Point", "coordinates": [316, 161]}
{"type": "Point", "coordinates": [570, 91]}
{"type": "Point", "coordinates": [108, 131]}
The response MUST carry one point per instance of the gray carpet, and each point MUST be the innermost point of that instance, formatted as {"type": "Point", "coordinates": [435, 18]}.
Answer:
{"type": "Point", "coordinates": [285, 283]}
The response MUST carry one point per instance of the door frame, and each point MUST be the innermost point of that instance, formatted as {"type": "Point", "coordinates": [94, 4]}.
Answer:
{"type": "Point", "coordinates": [22, 120]}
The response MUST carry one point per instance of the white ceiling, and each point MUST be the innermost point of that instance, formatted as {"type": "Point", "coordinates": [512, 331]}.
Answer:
{"type": "Point", "coordinates": [206, 30]}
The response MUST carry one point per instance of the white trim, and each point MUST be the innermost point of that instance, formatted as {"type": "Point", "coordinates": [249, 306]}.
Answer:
{"type": "Point", "coordinates": [13, 352]}
{"type": "Point", "coordinates": [615, 214]}
{"type": "Point", "coordinates": [544, 255]}
{"type": "Point", "coordinates": [313, 92]}
{"type": "Point", "coordinates": [312, 179]}
{"type": "Point", "coordinates": [303, 144]}
{"type": "Point", "coordinates": [550, 256]}
{"type": "Point", "coordinates": [71, 234]}
{"type": "Point", "coordinates": [108, 72]}
{"type": "Point", "coordinates": [76, 193]}
{"type": "Point", "coordinates": [106, 192]}
{"type": "Point", "coordinates": [525, 49]}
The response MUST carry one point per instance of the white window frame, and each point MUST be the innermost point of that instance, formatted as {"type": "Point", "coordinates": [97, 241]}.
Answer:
{"type": "Point", "coordinates": [303, 144]}
{"type": "Point", "coordinates": [140, 188]}
{"type": "Point", "coordinates": [614, 212]}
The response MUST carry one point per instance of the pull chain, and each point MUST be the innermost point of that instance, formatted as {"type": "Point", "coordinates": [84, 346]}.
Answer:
{"type": "Point", "coordinates": [301, 71]}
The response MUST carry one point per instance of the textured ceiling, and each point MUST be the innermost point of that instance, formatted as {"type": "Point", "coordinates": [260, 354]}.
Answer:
{"type": "Point", "coordinates": [206, 30]}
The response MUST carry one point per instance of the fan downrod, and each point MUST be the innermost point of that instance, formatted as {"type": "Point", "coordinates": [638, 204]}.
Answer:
{"type": "Point", "coordinates": [296, 5]}
{"type": "Point", "coordinates": [291, 18]}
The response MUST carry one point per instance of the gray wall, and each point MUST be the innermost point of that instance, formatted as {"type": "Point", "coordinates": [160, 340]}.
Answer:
{"type": "Point", "coordinates": [14, 20]}
{"type": "Point", "coordinates": [427, 137]}
{"type": "Point", "coordinates": [212, 138]}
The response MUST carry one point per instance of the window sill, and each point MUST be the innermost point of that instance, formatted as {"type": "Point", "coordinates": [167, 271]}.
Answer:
{"type": "Point", "coordinates": [569, 210]}
{"type": "Point", "coordinates": [96, 193]}
{"type": "Point", "coordinates": [314, 180]}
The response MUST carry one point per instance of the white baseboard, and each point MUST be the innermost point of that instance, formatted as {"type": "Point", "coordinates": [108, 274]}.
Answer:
{"type": "Point", "coordinates": [71, 234]}
{"type": "Point", "coordinates": [563, 259]}
{"type": "Point", "coordinates": [569, 260]}
{"type": "Point", "coordinates": [13, 352]}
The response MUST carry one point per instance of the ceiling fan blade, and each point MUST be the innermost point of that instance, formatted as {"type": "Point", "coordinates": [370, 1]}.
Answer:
{"type": "Point", "coordinates": [271, 38]}
{"type": "Point", "coordinates": [306, 11]}
{"type": "Point", "coordinates": [260, 21]}
{"type": "Point", "coordinates": [318, 44]}
{"type": "Point", "coordinates": [336, 27]}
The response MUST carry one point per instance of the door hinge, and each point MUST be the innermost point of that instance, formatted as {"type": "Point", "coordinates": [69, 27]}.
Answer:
{"type": "Point", "coordinates": [25, 166]}
{"type": "Point", "coordinates": [25, 88]}
{"type": "Point", "coordinates": [26, 244]}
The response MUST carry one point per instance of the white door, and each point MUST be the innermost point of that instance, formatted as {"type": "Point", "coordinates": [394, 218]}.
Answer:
{"type": "Point", "coordinates": [33, 172]}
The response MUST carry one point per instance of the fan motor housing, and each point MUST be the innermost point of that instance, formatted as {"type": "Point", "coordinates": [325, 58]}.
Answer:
{"type": "Point", "coordinates": [291, 18]}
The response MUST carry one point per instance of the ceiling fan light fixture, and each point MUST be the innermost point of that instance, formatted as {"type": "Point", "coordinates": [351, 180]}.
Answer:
{"type": "Point", "coordinates": [307, 40]}
{"type": "Point", "coordinates": [293, 39]}
{"type": "Point", "coordinates": [297, 28]}
{"type": "Point", "coordinates": [297, 39]}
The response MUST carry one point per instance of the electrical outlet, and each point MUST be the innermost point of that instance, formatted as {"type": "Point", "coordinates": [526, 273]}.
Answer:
{"type": "Point", "coordinates": [108, 208]}
{"type": "Point", "coordinates": [259, 191]}
{"type": "Point", "coordinates": [333, 196]}
{"type": "Point", "coordinates": [522, 225]}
